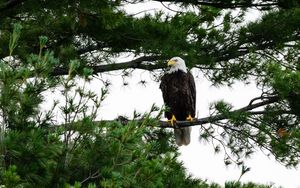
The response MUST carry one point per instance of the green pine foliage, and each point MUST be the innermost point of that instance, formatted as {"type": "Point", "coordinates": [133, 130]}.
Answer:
{"type": "Point", "coordinates": [54, 46]}
{"type": "Point", "coordinates": [81, 152]}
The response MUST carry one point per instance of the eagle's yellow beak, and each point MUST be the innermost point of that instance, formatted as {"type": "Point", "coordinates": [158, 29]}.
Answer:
{"type": "Point", "coordinates": [171, 62]}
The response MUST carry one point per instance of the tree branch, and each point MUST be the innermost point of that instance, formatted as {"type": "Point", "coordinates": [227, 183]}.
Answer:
{"type": "Point", "coordinates": [200, 121]}
{"type": "Point", "coordinates": [224, 4]}
{"type": "Point", "coordinates": [219, 117]}
{"type": "Point", "coordinates": [136, 64]}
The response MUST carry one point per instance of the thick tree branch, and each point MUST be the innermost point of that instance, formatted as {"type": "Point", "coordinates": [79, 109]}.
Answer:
{"type": "Point", "coordinates": [136, 64]}
{"type": "Point", "coordinates": [223, 5]}
{"type": "Point", "coordinates": [219, 117]}
{"type": "Point", "coordinates": [139, 64]}
{"type": "Point", "coordinates": [200, 121]}
{"type": "Point", "coordinates": [215, 118]}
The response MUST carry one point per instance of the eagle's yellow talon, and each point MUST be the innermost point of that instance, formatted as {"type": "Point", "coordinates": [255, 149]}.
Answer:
{"type": "Point", "coordinates": [190, 118]}
{"type": "Point", "coordinates": [172, 121]}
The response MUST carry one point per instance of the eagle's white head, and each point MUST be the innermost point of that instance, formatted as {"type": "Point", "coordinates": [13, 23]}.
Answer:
{"type": "Point", "coordinates": [176, 63]}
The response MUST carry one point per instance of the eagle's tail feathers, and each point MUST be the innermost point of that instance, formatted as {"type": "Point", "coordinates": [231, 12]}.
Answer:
{"type": "Point", "coordinates": [178, 136]}
{"type": "Point", "coordinates": [183, 136]}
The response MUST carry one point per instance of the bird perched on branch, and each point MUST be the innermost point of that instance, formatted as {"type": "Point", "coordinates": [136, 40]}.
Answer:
{"type": "Point", "coordinates": [179, 94]}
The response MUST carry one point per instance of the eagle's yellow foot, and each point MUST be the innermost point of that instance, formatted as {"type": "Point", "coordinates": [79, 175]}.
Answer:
{"type": "Point", "coordinates": [172, 121]}
{"type": "Point", "coordinates": [189, 118]}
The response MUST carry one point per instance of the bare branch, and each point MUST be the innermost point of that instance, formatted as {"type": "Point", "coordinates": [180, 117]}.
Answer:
{"type": "Point", "coordinates": [136, 64]}
{"type": "Point", "coordinates": [224, 4]}
{"type": "Point", "coordinates": [219, 117]}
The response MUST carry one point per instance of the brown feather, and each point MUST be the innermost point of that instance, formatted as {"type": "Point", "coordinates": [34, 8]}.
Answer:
{"type": "Point", "coordinates": [179, 94]}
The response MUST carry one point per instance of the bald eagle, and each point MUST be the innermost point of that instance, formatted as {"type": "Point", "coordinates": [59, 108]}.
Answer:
{"type": "Point", "coordinates": [179, 95]}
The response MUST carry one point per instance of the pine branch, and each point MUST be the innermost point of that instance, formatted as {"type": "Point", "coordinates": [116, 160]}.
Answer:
{"type": "Point", "coordinates": [199, 121]}
{"type": "Point", "coordinates": [215, 118]}
{"type": "Point", "coordinates": [225, 5]}
{"type": "Point", "coordinates": [138, 63]}
{"type": "Point", "coordinates": [135, 64]}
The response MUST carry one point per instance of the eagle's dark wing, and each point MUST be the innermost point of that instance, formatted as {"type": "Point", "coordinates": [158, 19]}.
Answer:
{"type": "Point", "coordinates": [192, 96]}
{"type": "Point", "coordinates": [179, 95]}
{"type": "Point", "coordinates": [166, 95]}
{"type": "Point", "coordinates": [183, 135]}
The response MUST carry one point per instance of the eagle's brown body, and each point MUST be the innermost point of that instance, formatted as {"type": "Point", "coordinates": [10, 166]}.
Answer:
{"type": "Point", "coordinates": [179, 95]}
